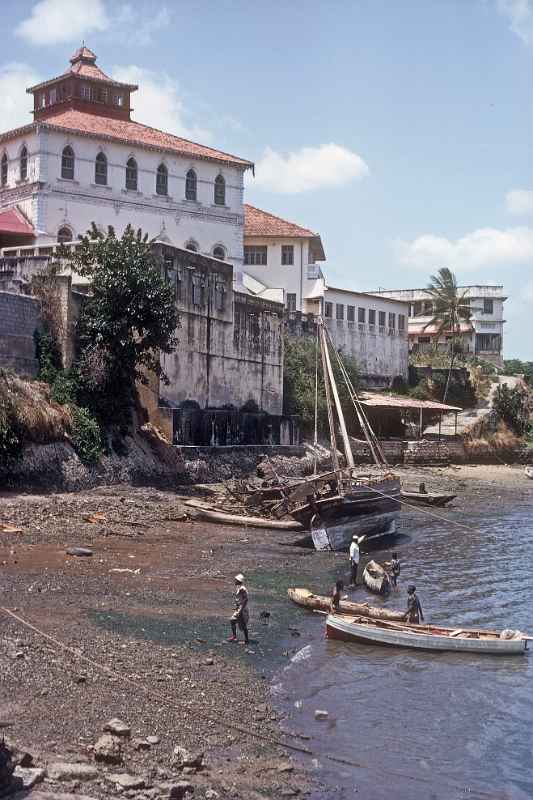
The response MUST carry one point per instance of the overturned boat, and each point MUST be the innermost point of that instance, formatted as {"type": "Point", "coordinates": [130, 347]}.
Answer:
{"type": "Point", "coordinates": [438, 499]}
{"type": "Point", "coordinates": [425, 637]}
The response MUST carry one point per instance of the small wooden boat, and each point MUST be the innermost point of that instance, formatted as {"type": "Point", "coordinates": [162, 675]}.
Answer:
{"type": "Point", "coordinates": [376, 578]}
{"type": "Point", "coordinates": [427, 498]}
{"type": "Point", "coordinates": [337, 534]}
{"type": "Point", "coordinates": [425, 637]}
{"type": "Point", "coordinates": [529, 472]}
{"type": "Point", "coordinates": [198, 511]}
{"type": "Point", "coordinates": [317, 602]}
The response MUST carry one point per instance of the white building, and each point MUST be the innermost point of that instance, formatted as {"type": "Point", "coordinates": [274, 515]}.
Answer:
{"type": "Point", "coordinates": [83, 159]}
{"type": "Point", "coordinates": [481, 336]}
{"type": "Point", "coordinates": [283, 261]}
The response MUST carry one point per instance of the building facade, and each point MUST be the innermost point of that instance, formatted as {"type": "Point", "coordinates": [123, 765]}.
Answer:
{"type": "Point", "coordinates": [286, 262]}
{"type": "Point", "coordinates": [480, 336]}
{"type": "Point", "coordinates": [83, 160]}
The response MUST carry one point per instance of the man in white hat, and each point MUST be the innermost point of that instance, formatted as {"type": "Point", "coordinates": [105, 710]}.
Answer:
{"type": "Point", "coordinates": [354, 559]}
{"type": "Point", "coordinates": [240, 615]}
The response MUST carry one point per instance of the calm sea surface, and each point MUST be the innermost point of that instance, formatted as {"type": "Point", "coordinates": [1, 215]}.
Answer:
{"type": "Point", "coordinates": [425, 725]}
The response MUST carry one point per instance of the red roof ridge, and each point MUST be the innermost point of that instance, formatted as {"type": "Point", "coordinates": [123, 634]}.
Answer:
{"type": "Point", "coordinates": [305, 231]}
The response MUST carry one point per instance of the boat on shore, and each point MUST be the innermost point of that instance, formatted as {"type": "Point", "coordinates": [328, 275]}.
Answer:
{"type": "Point", "coordinates": [376, 578]}
{"type": "Point", "coordinates": [338, 533]}
{"type": "Point", "coordinates": [317, 602]}
{"type": "Point", "coordinates": [425, 637]}
{"type": "Point", "coordinates": [427, 498]}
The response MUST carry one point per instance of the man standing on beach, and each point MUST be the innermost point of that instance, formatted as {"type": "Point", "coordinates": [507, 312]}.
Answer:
{"type": "Point", "coordinates": [240, 615]}
{"type": "Point", "coordinates": [354, 560]}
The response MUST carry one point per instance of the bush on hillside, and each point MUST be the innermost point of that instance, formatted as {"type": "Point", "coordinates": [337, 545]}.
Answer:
{"type": "Point", "coordinates": [513, 407]}
{"type": "Point", "coordinates": [86, 436]}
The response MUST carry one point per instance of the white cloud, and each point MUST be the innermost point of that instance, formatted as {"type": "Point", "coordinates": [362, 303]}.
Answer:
{"type": "Point", "coordinates": [308, 168]}
{"type": "Point", "coordinates": [158, 102]}
{"type": "Point", "coordinates": [519, 201]}
{"type": "Point", "coordinates": [484, 247]}
{"type": "Point", "coordinates": [520, 15]}
{"type": "Point", "coordinates": [57, 21]}
{"type": "Point", "coordinates": [138, 26]}
{"type": "Point", "coordinates": [16, 104]}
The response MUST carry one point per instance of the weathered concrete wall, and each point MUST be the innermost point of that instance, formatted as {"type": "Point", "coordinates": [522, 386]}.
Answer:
{"type": "Point", "coordinates": [229, 352]}
{"type": "Point", "coordinates": [19, 319]}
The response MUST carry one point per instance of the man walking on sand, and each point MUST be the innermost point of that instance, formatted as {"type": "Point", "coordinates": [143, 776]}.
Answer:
{"type": "Point", "coordinates": [240, 615]}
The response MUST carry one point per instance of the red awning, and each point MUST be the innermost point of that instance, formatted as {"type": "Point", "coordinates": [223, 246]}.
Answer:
{"type": "Point", "coordinates": [15, 223]}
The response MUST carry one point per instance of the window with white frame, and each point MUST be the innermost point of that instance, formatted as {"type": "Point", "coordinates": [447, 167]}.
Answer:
{"type": "Point", "coordinates": [392, 320]}
{"type": "Point", "coordinates": [161, 181]}
{"type": "Point", "coordinates": [339, 311]}
{"type": "Point", "coordinates": [191, 185]}
{"type": "Point", "coordinates": [67, 163]}
{"type": "Point", "coordinates": [371, 316]}
{"type": "Point", "coordinates": [350, 313]}
{"type": "Point", "coordinates": [328, 310]}
{"type": "Point", "coordinates": [361, 315]}
{"type": "Point", "coordinates": [291, 301]}
{"type": "Point", "coordinates": [219, 252]}
{"type": "Point", "coordinates": [220, 191]}
{"type": "Point", "coordinates": [131, 175]}
{"type": "Point", "coordinates": [100, 170]}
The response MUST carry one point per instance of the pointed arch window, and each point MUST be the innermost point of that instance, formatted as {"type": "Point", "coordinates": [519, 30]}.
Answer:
{"type": "Point", "coordinates": [67, 163]}
{"type": "Point", "coordinates": [64, 235]}
{"type": "Point", "coordinates": [220, 191]}
{"type": "Point", "coordinates": [3, 170]}
{"type": "Point", "coordinates": [131, 174]}
{"type": "Point", "coordinates": [24, 164]}
{"type": "Point", "coordinates": [100, 170]}
{"type": "Point", "coordinates": [191, 185]}
{"type": "Point", "coordinates": [161, 182]}
{"type": "Point", "coordinates": [219, 252]}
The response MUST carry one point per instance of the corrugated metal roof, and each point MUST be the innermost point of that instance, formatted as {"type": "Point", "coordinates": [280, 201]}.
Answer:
{"type": "Point", "coordinates": [394, 401]}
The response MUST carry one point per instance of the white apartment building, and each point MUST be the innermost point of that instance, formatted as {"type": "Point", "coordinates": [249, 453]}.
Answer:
{"type": "Point", "coordinates": [481, 335]}
{"type": "Point", "coordinates": [284, 262]}
{"type": "Point", "coordinates": [84, 159]}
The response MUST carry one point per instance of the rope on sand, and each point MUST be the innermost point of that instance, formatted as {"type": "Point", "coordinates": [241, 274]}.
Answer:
{"type": "Point", "coordinates": [307, 751]}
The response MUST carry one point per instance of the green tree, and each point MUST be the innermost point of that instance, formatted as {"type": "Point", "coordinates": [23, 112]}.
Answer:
{"type": "Point", "coordinates": [513, 407]}
{"type": "Point", "coordinates": [128, 319]}
{"type": "Point", "coordinates": [299, 385]}
{"type": "Point", "coordinates": [450, 308]}
{"type": "Point", "coordinates": [514, 366]}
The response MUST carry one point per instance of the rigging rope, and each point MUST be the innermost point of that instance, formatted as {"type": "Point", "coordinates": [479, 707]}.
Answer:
{"type": "Point", "coordinates": [307, 751]}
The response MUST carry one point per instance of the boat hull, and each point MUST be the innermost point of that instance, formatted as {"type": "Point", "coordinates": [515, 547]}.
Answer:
{"type": "Point", "coordinates": [347, 631]}
{"type": "Point", "coordinates": [305, 598]}
{"type": "Point", "coordinates": [356, 500]}
{"type": "Point", "coordinates": [429, 499]}
{"type": "Point", "coordinates": [337, 534]}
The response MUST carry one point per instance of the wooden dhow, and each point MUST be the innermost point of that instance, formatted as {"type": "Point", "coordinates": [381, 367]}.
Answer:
{"type": "Point", "coordinates": [317, 602]}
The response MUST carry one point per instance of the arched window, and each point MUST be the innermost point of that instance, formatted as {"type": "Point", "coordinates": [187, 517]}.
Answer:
{"type": "Point", "coordinates": [64, 234]}
{"type": "Point", "coordinates": [190, 185]}
{"type": "Point", "coordinates": [131, 175]}
{"type": "Point", "coordinates": [220, 191]}
{"type": "Point", "coordinates": [192, 246]}
{"type": "Point", "coordinates": [67, 164]}
{"type": "Point", "coordinates": [24, 164]}
{"type": "Point", "coordinates": [3, 170]}
{"type": "Point", "coordinates": [161, 183]}
{"type": "Point", "coordinates": [219, 252]}
{"type": "Point", "coordinates": [100, 170]}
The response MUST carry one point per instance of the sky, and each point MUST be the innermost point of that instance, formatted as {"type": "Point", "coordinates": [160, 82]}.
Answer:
{"type": "Point", "coordinates": [400, 130]}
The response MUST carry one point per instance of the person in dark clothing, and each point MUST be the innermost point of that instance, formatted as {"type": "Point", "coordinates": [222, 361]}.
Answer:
{"type": "Point", "coordinates": [336, 596]}
{"type": "Point", "coordinates": [395, 569]}
{"type": "Point", "coordinates": [240, 616]}
{"type": "Point", "coordinates": [422, 488]}
{"type": "Point", "coordinates": [414, 613]}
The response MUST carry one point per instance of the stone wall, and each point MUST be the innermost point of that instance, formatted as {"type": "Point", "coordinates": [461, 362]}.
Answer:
{"type": "Point", "coordinates": [19, 319]}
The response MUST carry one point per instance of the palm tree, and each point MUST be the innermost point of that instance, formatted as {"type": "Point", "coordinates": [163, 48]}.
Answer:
{"type": "Point", "coordinates": [450, 308]}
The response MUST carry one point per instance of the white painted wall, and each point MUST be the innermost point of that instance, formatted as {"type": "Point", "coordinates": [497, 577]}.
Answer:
{"type": "Point", "coordinates": [76, 203]}
{"type": "Point", "coordinates": [381, 352]}
{"type": "Point", "coordinates": [290, 277]}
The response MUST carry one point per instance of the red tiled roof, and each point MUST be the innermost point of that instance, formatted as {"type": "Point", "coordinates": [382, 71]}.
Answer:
{"type": "Point", "coordinates": [134, 133]}
{"type": "Point", "coordinates": [261, 223]}
{"type": "Point", "coordinates": [82, 52]}
{"type": "Point", "coordinates": [89, 71]}
{"type": "Point", "coordinates": [13, 221]}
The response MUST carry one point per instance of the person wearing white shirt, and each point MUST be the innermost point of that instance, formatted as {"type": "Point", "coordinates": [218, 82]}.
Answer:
{"type": "Point", "coordinates": [354, 560]}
